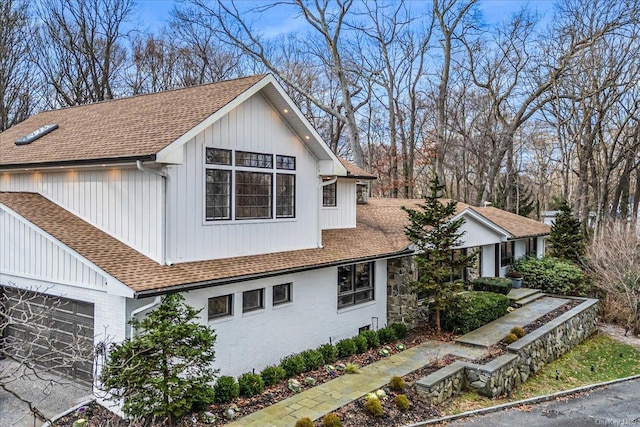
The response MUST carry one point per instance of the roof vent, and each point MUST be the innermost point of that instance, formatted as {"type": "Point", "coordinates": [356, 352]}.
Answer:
{"type": "Point", "coordinates": [38, 133]}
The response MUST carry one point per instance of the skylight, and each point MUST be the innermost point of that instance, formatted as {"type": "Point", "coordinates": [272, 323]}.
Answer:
{"type": "Point", "coordinates": [38, 133]}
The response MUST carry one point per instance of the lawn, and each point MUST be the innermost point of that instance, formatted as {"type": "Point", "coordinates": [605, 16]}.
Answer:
{"type": "Point", "coordinates": [610, 360]}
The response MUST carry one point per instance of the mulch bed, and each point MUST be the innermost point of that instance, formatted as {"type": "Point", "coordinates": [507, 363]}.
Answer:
{"type": "Point", "coordinates": [352, 414]}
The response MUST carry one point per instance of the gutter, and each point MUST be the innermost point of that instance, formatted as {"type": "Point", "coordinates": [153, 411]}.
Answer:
{"type": "Point", "coordinates": [229, 280]}
{"type": "Point", "coordinates": [165, 213]}
{"type": "Point", "coordinates": [82, 162]}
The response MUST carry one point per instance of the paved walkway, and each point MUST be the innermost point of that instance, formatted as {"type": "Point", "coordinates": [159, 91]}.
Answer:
{"type": "Point", "coordinates": [493, 332]}
{"type": "Point", "coordinates": [327, 397]}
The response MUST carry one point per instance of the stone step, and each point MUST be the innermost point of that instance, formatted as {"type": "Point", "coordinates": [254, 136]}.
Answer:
{"type": "Point", "coordinates": [529, 299]}
{"type": "Point", "coordinates": [516, 294]}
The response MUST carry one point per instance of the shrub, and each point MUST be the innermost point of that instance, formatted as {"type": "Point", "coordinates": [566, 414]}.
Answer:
{"type": "Point", "coordinates": [498, 285]}
{"type": "Point", "coordinates": [331, 420]}
{"type": "Point", "coordinates": [361, 344]}
{"type": "Point", "coordinates": [510, 338]}
{"type": "Point", "coordinates": [374, 407]}
{"type": "Point", "coordinates": [386, 335]}
{"type": "Point", "coordinates": [400, 330]}
{"type": "Point", "coordinates": [346, 347]}
{"type": "Point", "coordinates": [372, 338]}
{"type": "Point", "coordinates": [402, 402]}
{"type": "Point", "coordinates": [518, 331]}
{"type": "Point", "coordinates": [293, 365]}
{"type": "Point", "coordinates": [313, 359]}
{"type": "Point", "coordinates": [470, 310]}
{"type": "Point", "coordinates": [397, 384]}
{"type": "Point", "coordinates": [553, 276]}
{"type": "Point", "coordinates": [351, 368]}
{"type": "Point", "coordinates": [250, 384]}
{"type": "Point", "coordinates": [304, 422]}
{"type": "Point", "coordinates": [329, 352]}
{"type": "Point", "coordinates": [272, 374]}
{"type": "Point", "coordinates": [226, 389]}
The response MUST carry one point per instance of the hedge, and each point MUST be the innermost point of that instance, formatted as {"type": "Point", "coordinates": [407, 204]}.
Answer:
{"type": "Point", "coordinates": [498, 285]}
{"type": "Point", "coordinates": [470, 310]}
{"type": "Point", "coordinates": [553, 276]}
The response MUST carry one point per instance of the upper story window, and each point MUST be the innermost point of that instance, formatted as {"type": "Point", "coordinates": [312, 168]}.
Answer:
{"type": "Point", "coordinates": [355, 284]}
{"type": "Point", "coordinates": [247, 185]}
{"type": "Point", "coordinates": [329, 195]}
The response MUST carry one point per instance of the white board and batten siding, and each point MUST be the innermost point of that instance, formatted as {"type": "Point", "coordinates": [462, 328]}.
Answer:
{"type": "Point", "coordinates": [254, 340]}
{"type": "Point", "coordinates": [125, 203]}
{"type": "Point", "coordinates": [343, 215]}
{"type": "Point", "coordinates": [253, 126]}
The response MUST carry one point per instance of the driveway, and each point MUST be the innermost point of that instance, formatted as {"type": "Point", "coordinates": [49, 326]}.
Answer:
{"type": "Point", "coordinates": [613, 405]}
{"type": "Point", "coordinates": [51, 394]}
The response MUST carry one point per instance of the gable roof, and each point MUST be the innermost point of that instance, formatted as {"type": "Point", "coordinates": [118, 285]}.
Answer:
{"type": "Point", "coordinates": [354, 171]}
{"type": "Point", "coordinates": [518, 226]}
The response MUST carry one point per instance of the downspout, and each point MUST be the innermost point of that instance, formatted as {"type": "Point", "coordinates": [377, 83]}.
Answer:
{"type": "Point", "coordinates": [165, 214]}
{"type": "Point", "coordinates": [322, 185]}
{"type": "Point", "coordinates": [135, 312]}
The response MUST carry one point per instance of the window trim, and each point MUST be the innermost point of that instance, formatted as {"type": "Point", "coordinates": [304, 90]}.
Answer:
{"type": "Point", "coordinates": [289, 298]}
{"type": "Point", "coordinates": [260, 306]}
{"type": "Point", "coordinates": [354, 290]}
{"type": "Point", "coordinates": [228, 313]}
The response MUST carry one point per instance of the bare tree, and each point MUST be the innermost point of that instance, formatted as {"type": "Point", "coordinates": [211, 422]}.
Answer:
{"type": "Point", "coordinates": [80, 48]}
{"type": "Point", "coordinates": [614, 258]}
{"type": "Point", "coordinates": [17, 79]}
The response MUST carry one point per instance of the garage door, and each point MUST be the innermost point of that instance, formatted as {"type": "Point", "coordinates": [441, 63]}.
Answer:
{"type": "Point", "coordinates": [54, 333]}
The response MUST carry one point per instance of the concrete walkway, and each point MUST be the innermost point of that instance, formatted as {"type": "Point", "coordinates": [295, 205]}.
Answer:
{"type": "Point", "coordinates": [324, 398]}
{"type": "Point", "coordinates": [493, 332]}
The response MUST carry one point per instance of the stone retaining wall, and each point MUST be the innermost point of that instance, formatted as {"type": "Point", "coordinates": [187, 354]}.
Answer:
{"type": "Point", "coordinates": [525, 356]}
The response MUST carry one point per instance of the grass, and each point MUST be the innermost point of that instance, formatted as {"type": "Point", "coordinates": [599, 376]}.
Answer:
{"type": "Point", "coordinates": [599, 351]}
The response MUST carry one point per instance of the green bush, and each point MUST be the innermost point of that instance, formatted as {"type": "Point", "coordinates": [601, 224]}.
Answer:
{"type": "Point", "coordinates": [331, 420]}
{"type": "Point", "coordinates": [346, 347]}
{"type": "Point", "coordinates": [313, 359]}
{"type": "Point", "coordinates": [293, 365]}
{"type": "Point", "coordinates": [402, 402]}
{"type": "Point", "coordinates": [372, 338]}
{"type": "Point", "coordinates": [518, 331]}
{"type": "Point", "coordinates": [361, 344]}
{"type": "Point", "coordinates": [510, 338]}
{"type": "Point", "coordinates": [397, 384]}
{"type": "Point", "coordinates": [553, 276]}
{"type": "Point", "coordinates": [374, 407]}
{"type": "Point", "coordinates": [470, 310]}
{"type": "Point", "coordinates": [272, 374]}
{"type": "Point", "coordinates": [498, 285]}
{"type": "Point", "coordinates": [329, 352]}
{"type": "Point", "coordinates": [400, 330]}
{"type": "Point", "coordinates": [250, 384]}
{"type": "Point", "coordinates": [226, 389]}
{"type": "Point", "coordinates": [386, 335]}
{"type": "Point", "coordinates": [304, 422]}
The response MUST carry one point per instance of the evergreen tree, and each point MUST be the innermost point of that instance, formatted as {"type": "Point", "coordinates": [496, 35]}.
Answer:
{"type": "Point", "coordinates": [523, 202]}
{"type": "Point", "coordinates": [435, 236]}
{"type": "Point", "coordinates": [165, 370]}
{"type": "Point", "coordinates": [567, 240]}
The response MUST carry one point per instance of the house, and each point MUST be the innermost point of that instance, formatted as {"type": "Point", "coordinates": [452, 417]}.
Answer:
{"type": "Point", "coordinates": [224, 193]}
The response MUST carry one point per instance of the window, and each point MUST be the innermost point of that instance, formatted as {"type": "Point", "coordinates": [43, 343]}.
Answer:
{"type": "Point", "coordinates": [220, 307]}
{"type": "Point", "coordinates": [252, 300]}
{"type": "Point", "coordinates": [253, 195]}
{"type": "Point", "coordinates": [285, 195]}
{"type": "Point", "coordinates": [532, 246]}
{"type": "Point", "coordinates": [286, 162]}
{"type": "Point", "coordinates": [254, 160]}
{"type": "Point", "coordinates": [257, 194]}
{"type": "Point", "coordinates": [329, 195]}
{"type": "Point", "coordinates": [506, 253]}
{"type": "Point", "coordinates": [355, 284]}
{"type": "Point", "coordinates": [282, 293]}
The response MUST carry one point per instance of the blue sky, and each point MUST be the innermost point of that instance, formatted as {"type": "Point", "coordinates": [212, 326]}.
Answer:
{"type": "Point", "coordinates": [154, 13]}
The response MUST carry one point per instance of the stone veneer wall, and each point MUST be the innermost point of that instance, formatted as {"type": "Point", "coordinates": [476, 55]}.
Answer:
{"type": "Point", "coordinates": [402, 302]}
{"type": "Point", "coordinates": [524, 357]}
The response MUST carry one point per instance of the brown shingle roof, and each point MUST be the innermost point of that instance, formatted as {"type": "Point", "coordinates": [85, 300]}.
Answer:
{"type": "Point", "coordinates": [142, 274]}
{"type": "Point", "coordinates": [127, 127]}
{"type": "Point", "coordinates": [356, 171]}
{"type": "Point", "coordinates": [518, 226]}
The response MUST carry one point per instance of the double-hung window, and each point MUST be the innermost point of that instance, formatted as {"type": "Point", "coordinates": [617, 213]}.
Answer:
{"type": "Point", "coordinates": [355, 284]}
{"type": "Point", "coordinates": [245, 185]}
